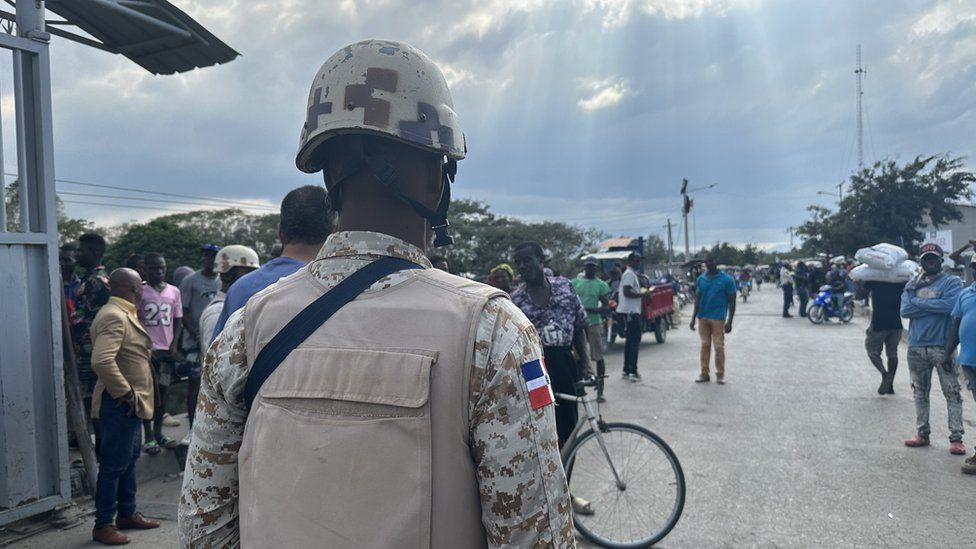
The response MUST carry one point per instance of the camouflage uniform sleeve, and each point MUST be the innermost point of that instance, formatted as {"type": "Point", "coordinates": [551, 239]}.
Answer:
{"type": "Point", "coordinates": [208, 514]}
{"type": "Point", "coordinates": [524, 496]}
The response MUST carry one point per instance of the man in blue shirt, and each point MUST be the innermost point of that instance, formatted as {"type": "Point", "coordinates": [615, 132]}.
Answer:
{"type": "Point", "coordinates": [927, 302]}
{"type": "Point", "coordinates": [302, 229]}
{"type": "Point", "coordinates": [964, 330]}
{"type": "Point", "coordinates": [716, 300]}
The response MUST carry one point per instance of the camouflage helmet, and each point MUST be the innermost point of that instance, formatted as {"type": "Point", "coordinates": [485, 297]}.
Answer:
{"type": "Point", "coordinates": [235, 255]}
{"type": "Point", "coordinates": [383, 88]}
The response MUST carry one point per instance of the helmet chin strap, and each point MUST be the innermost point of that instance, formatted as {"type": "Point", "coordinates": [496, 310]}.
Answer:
{"type": "Point", "coordinates": [386, 174]}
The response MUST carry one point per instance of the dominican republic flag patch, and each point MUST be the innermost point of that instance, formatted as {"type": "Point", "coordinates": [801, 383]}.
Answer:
{"type": "Point", "coordinates": [537, 381]}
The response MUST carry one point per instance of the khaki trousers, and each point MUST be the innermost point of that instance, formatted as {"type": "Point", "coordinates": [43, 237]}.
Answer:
{"type": "Point", "coordinates": [712, 333]}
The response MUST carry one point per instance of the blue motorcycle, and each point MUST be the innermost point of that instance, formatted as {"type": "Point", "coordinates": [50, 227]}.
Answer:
{"type": "Point", "coordinates": [823, 307]}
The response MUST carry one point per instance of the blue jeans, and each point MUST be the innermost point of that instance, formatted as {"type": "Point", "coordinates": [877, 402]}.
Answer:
{"type": "Point", "coordinates": [117, 454]}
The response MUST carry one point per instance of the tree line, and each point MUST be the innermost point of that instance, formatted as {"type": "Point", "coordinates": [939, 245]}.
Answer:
{"type": "Point", "coordinates": [890, 202]}
{"type": "Point", "coordinates": [483, 238]}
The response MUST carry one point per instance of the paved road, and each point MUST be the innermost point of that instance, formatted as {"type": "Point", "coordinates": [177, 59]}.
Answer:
{"type": "Point", "coordinates": [797, 450]}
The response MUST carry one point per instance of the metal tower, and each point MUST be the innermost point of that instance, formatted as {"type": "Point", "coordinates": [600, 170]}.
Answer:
{"type": "Point", "coordinates": [860, 72]}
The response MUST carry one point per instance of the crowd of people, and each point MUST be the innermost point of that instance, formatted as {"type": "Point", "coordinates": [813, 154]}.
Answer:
{"type": "Point", "coordinates": [418, 370]}
{"type": "Point", "coordinates": [804, 279]}
{"type": "Point", "coordinates": [138, 331]}
{"type": "Point", "coordinates": [171, 316]}
{"type": "Point", "coordinates": [942, 319]}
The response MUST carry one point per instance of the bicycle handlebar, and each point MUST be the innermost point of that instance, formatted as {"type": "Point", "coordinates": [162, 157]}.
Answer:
{"type": "Point", "coordinates": [589, 382]}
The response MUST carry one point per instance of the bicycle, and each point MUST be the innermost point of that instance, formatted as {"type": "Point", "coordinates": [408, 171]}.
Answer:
{"type": "Point", "coordinates": [631, 477]}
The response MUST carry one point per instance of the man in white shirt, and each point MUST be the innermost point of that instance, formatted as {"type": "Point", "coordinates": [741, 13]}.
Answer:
{"type": "Point", "coordinates": [629, 304]}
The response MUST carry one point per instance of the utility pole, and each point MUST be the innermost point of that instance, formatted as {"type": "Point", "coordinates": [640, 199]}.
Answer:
{"type": "Point", "coordinates": [670, 247]}
{"type": "Point", "coordinates": [685, 207]}
{"type": "Point", "coordinates": [840, 193]}
{"type": "Point", "coordinates": [687, 204]}
{"type": "Point", "coordinates": [860, 72]}
{"type": "Point", "coordinates": [790, 230]}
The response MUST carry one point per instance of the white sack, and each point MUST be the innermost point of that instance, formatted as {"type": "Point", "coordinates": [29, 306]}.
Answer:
{"type": "Point", "coordinates": [902, 273]}
{"type": "Point", "coordinates": [882, 256]}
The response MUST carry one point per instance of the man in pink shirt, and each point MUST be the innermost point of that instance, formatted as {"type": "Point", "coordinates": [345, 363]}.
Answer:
{"type": "Point", "coordinates": [161, 314]}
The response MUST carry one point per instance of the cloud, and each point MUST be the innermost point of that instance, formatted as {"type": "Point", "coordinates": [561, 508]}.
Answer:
{"type": "Point", "coordinates": [486, 17]}
{"type": "Point", "coordinates": [604, 94]}
{"type": "Point", "coordinates": [617, 13]}
{"type": "Point", "coordinates": [945, 17]}
{"type": "Point", "coordinates": [458, 77]}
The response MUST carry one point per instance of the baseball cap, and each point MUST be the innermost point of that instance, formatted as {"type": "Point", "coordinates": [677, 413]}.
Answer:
{"type": "Point", "coordinates": [590, 261]}
{"type": "Point", "coordinates": [210, 247]}
{"type": "Point", "coordinates": [930, 248]}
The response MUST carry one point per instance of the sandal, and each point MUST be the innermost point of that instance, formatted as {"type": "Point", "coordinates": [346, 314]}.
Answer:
{"type": "Point", "coordinates": [168, 443]}
{"type": "Point", "coordinates": [151, 448]}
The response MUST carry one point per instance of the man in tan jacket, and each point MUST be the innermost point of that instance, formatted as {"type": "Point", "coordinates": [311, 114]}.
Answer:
{"type": "Point", "coordinates": [122, 398]}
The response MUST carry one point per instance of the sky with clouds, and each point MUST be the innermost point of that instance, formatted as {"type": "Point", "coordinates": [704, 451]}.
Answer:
{"type": "Point", "coordinates": [584, 111]}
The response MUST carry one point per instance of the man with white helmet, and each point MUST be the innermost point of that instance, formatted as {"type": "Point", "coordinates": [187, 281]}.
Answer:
{"type": "Point", "coordinates": [232, 262]}
{"type": "Point", "coordinates": [387, 403]}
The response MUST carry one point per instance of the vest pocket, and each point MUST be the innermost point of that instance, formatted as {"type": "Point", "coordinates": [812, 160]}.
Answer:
{"type": "Point", "coordinates": [337, 452]}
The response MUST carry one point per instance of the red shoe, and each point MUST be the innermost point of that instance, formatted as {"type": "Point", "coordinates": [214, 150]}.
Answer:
{"type": "Point", "coordinates": [957, 448]}
{"type": "Point", "coordinates": [109, 535]}
{"type": "Point", "coordinates": [918, 441]}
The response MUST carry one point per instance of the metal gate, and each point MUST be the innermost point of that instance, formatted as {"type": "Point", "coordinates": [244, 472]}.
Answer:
{"type": "Point", "coordinates": [33, 444]}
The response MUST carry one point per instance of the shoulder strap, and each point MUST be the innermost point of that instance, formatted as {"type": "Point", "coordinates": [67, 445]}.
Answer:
{"type": "Point", "coordinates": [316, 314]}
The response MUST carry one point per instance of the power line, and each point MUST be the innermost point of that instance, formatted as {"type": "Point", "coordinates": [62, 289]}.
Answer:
{"type": "Point", "coordinates": [126, 206]}
{"type": "Point", "coordinates": [161, 193]}
{"type": "Point", "coordinates": [601, 217]}
{"type": "Point", "coordinates": [139, 198]}
{"type": "Point", "coordinates": [622, 215]}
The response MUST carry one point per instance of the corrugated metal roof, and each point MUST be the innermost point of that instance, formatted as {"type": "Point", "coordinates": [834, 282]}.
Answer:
{"type": "Point", "coordinates": [617, 243]}
{"type": "Point", "coordinates": [622, 254]}
{"type": "Point", "coordinates": [154, 34]}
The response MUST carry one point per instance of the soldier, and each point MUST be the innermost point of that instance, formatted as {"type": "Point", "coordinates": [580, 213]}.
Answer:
{"type": "Point", "coordinates": [420, 415]}
{"type": "Point", "coordinates": [232, 262]}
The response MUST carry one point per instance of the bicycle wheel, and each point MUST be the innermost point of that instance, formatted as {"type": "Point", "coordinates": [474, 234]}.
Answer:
{"type": "Point", "coordinates": [648, 505]}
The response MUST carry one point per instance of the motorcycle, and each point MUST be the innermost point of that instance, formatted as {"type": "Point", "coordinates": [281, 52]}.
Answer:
{"type": "Point", "coordinates": [822, 307]}
{"type": "Point", "coordinates": [745, 286]}
{"type": "Point", "coordinates": [684, 294]}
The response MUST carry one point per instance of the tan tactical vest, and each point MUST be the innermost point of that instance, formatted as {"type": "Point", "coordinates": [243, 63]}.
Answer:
{"type": "Point", "coordinates": [360, 438]}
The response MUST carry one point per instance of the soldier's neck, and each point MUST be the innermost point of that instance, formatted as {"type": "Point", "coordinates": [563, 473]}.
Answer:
{"type": "Point", "coordinates": [410, 228]}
